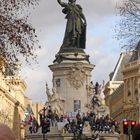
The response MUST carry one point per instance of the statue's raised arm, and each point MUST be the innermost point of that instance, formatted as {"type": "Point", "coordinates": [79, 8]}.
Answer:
{"type": "Point", "coordinates": [63, 4]}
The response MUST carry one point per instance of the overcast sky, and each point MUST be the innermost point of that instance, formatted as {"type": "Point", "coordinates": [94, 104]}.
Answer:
{"type": "Point", "coordinates": [102, 46]}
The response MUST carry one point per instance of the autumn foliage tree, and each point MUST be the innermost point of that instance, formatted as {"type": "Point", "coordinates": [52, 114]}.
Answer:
{"type": "Point", "coordinates": [129, 25]}
{"type": "Point", "coordinates": [17, 37]}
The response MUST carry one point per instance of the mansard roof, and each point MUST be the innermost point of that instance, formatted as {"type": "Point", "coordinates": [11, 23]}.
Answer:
{"type": "Point", "coordinates": [118, 91]}
{"type": "Point", "coordinates": [136, 53]}
{"type": "Point", "coordinates": [117, 75]}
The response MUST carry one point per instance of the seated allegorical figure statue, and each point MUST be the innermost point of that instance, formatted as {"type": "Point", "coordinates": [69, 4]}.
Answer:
{"type": "Point", "coordinates": [75, 33]}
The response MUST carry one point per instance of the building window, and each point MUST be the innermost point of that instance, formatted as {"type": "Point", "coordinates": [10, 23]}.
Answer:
{"type": "Point", "coordinates": [128, 88]}
{"type": "Point", "coordinates": [129, 93]}
{"type": "Point", "coordinates": [136, 91]}
{"type": "Point", "coordinates": [77, 105]}
{"type": "Point", "coordinates": [58, 82]}
{"type": "Point", "coordinates": [136, 94]}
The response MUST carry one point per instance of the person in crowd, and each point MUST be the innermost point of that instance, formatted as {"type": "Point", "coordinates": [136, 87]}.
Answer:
{"type": "Point", "coordinates": [68, 119]}
{"type": "Point", "coordinates": [40, 118]}
{"type": "Point", "coordinates": [78, 118]}
{"type": "Point", "coordinates": [6, 133]}
{"type": "Point", "coordinates": [84, 118]}
{"type": "Point", "coordinates": [65, 118]}
{"type": "Point", "coordinates": [50, 115]}
{"type": "Point", "coordinates": [91, 118]}
{"type": "Point", "coordinates": [55, 118]}
{"type": "Point", "coordinates": [35, 125]}
{"type": "Point", "coordinates": [136, 132]}
{"type": "Point", "coordinates": [61, 118]}
{"type": "Point", "coordinates": [31, 127]}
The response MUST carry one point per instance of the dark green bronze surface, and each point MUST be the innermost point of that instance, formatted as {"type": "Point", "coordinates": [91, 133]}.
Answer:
{"type": "Point", "coordinates": [71, 50]}
{"type": "Point", "coordinates": [75, 33]}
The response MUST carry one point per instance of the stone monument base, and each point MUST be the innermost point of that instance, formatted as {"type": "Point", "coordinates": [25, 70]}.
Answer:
{"type": "Point", "coordinates": [67, 136]}
{"type": "Point", "coordinates": [71, 57]}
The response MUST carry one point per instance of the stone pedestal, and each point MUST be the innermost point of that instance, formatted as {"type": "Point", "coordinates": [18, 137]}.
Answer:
{"type": "Point", "coordinates": [71, 75]}
{"type": "Point", "coordinates": [60, 136]}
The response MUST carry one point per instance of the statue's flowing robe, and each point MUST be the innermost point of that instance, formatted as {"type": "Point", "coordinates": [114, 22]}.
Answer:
{"type": "Point", "coordinates": [75, 28]}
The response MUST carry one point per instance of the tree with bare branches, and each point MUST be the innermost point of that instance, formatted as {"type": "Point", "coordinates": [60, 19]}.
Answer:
{"type": "Point", "coordinates": [129, 25]}
{"type": "Point", "coordinates": [17, 37]}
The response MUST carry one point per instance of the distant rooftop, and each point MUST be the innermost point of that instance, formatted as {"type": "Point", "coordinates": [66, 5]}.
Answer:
{"type": "Point", "coordinates": [119, 90]}
{"type": "Point", "coordinates": [136, 53]}
{"type": "Point", "coordinates": [117, 75]}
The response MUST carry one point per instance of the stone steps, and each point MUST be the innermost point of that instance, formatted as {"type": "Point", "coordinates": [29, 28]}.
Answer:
{"type": "Point", "coordinates": [55, 134]}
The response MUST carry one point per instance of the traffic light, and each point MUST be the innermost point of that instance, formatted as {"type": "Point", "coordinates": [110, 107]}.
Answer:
{"type": "Point", "coordinates": [133, 124]}
{"type": "Point", "coordinates": [45, 126]}
{"type": "Point", "coordinates": [125, 127]}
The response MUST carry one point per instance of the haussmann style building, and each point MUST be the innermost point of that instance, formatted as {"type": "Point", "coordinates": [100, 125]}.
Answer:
{"type": "Point", "coordinates": [12, 89]}
{"type": "Point", "coordinates": [123, 89]}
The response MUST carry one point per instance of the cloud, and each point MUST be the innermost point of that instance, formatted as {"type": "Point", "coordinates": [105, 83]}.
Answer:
{"type": "Point", "coordinates": [49, 12]}
{"type": "Point", "coordinates": [104, 65]}
{"type": "Point", "coordinates": [36, 79]}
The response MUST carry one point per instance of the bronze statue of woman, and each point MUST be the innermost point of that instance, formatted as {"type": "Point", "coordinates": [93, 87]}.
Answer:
{"type": "Point", "coordinates": [75, 34]}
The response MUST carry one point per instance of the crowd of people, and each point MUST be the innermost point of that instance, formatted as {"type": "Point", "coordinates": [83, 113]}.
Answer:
{"type": "Point", "coordinates": [33, 125]}
{"type": "Point", "coordinates": [75, 125]}
{"type": "Point", "coordinates": [100, 124]}
{"type": "Point", "coordinates": [7, 134]}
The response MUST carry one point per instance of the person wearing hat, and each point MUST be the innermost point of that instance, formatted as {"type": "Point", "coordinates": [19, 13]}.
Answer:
{"type": "Point", "coordinates": [136, 132]}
